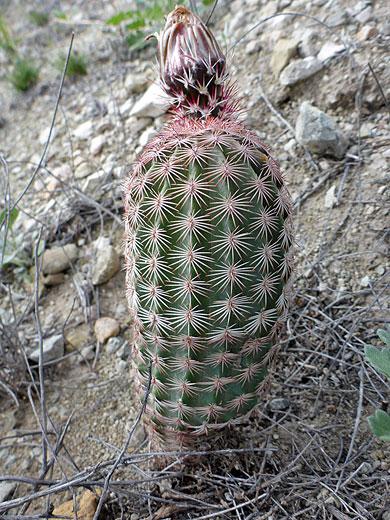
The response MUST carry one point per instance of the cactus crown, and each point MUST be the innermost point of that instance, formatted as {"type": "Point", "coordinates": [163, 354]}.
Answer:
{"type": "Point", "coordinates": [193, 68]}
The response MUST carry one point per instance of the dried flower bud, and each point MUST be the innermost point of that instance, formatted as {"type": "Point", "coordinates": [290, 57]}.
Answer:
{"type": "Point", "coordinates": [192, 65]}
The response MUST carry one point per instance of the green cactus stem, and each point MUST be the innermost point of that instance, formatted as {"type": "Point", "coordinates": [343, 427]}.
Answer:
{"type": "Point", "coordinates": [208, 248]}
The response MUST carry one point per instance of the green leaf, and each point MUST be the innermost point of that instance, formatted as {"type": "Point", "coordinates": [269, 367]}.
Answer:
{"type": "Point", "coordinates": [41, 247]}
{"type": "Point", "coordinates": [16, 256]}
{"type": "Point", "coordinates": [18, 241]}
{"type": "Point", "coordinates": [155, 13]}
{"type": "Point", "coordinates": [13, 215]}
{"type": "Point", "coordinates": [380, 425]}
{"type": "Point", "coordinates": [120, 17]}
{"type": "Point", "coordinates": [136, 40]}
{"type": "Point", "coordinates": [58, 14]}
{"type": "Point", "coordinates": [379, 359]}
{"type": "Point", "coordinates": [40, 18]}
{"type": "Point", "coordinates": [384, 335]}
{"type": "Point", "coordinates": [11, 258]}
{"type": "Point", "coordinates": [137, 24]}
{"type": "Point", "coordinates": [208, 2]}
{"type": "Point", "coordinates": [6, 41]}
{"type": "Point", "coordinates": [24, 74]}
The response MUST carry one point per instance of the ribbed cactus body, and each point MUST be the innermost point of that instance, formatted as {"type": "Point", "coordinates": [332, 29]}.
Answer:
{"type": "Point", "coordinates": [208, 258]}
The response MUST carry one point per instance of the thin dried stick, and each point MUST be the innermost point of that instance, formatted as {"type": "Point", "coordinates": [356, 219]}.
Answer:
{"type": "Point", "coordinates": [40, 366]}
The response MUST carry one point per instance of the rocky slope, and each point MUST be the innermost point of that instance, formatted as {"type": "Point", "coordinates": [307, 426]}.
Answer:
{"type": "Point", "coordinates": [315, 93]}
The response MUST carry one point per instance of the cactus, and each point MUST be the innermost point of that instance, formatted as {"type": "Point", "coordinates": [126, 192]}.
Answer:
{"type": "Point", "coordinates": [208, 238]}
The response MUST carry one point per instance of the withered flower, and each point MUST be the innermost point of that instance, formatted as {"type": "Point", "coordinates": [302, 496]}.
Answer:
{"type": "Point", "coordinates": [192, 64]}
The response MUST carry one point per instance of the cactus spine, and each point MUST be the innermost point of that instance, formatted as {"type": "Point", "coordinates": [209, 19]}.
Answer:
{"type": "Point", "coordinates": [208, 247]}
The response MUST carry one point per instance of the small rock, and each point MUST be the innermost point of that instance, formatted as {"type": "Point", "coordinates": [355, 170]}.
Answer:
{"type": "Point", "coordinates": [365, 281]}
{"type": "Point", "coordinates": [83, 284]}
{"type": "Point", "coordinates": [55, 397]}
{"type": "Point", "coordinates": [97, 144]}
{"type": "Point", "coordinates": [366, 32]}
{"type": "Point", "coordinates": [112, 107]}
{"type": "Point", "coordinates": [291, 147]}
{"type": "Point", "coordinates": [126, 106]}
{"type": "Point", "coordinates": [106, 328]}
{"type": "Point", "coordinates": [58, 259]}
{"type": "Point", "coordinates": [120, 366]}
{"type": "Point", "coordinates": [27, 463]}
{"type": "Point", "coordinates": [365, 15]}
{"type": "Point", "coordinates": [125, 351]}
{"type": "Point", "coordinates": [106, 262]}
{"type": "Point", "coordinates": [110, 162]}
{"type": "Point", "coordinates": [39, 186]}
{"type": "Point", "coordinates": [86, 507]}
{"type": "Point", "coordinates": [317, 132]}
{"type": "Point", "coordinates": [84, 131]}
{"type": "Point", "coordinates": [53, 348]}
{"type": "Point", "coordinates": [49, 319]}
{"type": "Point", "coordinates": [358, 8]}
{"type": "Point", "coordinates": [36, 452]}
{"type": "Point", "coordinates": [44, 135]}
{"type": "Point", "coordinates": [139, 435]}
{"type": "Point", "coordinates": [52, 280]}
{"type": "Point", "coordinates": [5, 317]}
{"type": "Point", "coordinates": [330, 197]}
{"type": "Point", "coordinates": [322, 287]}
{"type": "Point", "coordinates": [78, 158]}
{"type": "Point", "coordinates": [94, 181]}
{"type": "Point", "coordinates": [4, 452]}
{"type": "Point", "coordinates": [284, 50]}
{"type": "Point", "coordinates": [279, 404]}
{"type": "Point", "coordinates": [87, 353]}
{"type": "Point", "coordinates": [137, 125]}
{"type": "Point", "coordinates": [338, 18]}
{"type": "Point", "coordinates": [78, 337]}
{"type": "Point", "coordinates": [365, 131]}
{"type": "Point", "coordinates": [271, 38]}
{"type": "Point", "coordinates": [253, 46]}
{"type": "Point", "coordinates": [64, 172]}
{"type": "Point", "coordinates": [309, 42]}
{"type": "Point", "coordinates": [146, 136]}
{"type": "Point", "coordinates": [135, 83]}
{"type": "Point", "coordinates": [8, 419]}
{"type": "Point", "coordinates": [61, 175]}
{"type": "Point", "coordinates": [298, 70]}
{"type": "Point", "coordinates": [10, 461]}
{"type": "Point", "coordinates": [121, 310]}
{"type": "Point", "coordinates": [153, 103]}
{"type": "Point", "coordinates": [6, 490]}
{"type": "Point", "coordinates": [113, 344]}
{"type": "Point", "coordinates": [329, 50]}
{"type": "Point", "coordinates": [83, 169]}
{"type": "Point", "coordinates": [51, 187]}
{"type": "Point", "coordinates": [386, 29]}
{"type": "Point", "coordinates": [380, 270]}
{"type": "Point", "coordinates": [366, 468]}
